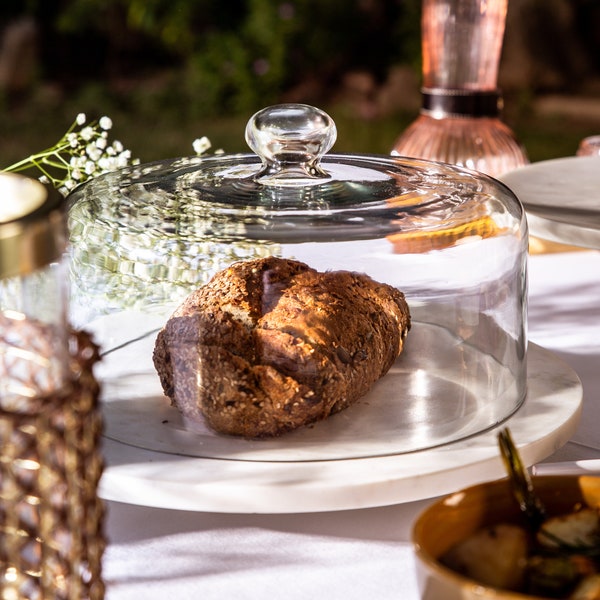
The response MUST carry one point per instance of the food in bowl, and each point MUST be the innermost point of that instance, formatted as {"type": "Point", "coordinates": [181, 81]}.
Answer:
{"type": "Point", "coordinates": [478, 543]}
{"type": "Point", "coordinates": [270, 345]}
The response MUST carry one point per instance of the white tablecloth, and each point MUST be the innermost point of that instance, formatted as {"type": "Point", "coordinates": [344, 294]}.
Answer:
{"type": "Point", "coordinates": [348, 555]}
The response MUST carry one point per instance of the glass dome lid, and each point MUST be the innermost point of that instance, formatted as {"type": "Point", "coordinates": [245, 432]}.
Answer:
{"type": "Point", "coordinates": [453, 241]}
{"type": "Point", "coordinates": [291, 189]}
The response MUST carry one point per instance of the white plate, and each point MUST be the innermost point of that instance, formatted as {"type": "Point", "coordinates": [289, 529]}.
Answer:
{"type": "Point", "coordinates": [561, 198]}
{"type": "Point", "coordinates": [437, 392]}
{"type": "Point", "coordinates": [544, 423]}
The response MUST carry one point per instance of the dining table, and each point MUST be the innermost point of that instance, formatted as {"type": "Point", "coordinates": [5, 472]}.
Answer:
{"type": "Point", "coordinates": [159, 552]}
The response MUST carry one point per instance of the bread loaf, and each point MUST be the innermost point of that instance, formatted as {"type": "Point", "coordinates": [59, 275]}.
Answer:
{"type": "Point", "coordinates": [270, 345]}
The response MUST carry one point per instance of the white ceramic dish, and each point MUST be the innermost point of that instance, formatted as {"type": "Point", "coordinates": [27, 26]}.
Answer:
{"type": "Point", "coordinates": [242, 484]}
{"type": "Point", "coordinates": [561, 198]}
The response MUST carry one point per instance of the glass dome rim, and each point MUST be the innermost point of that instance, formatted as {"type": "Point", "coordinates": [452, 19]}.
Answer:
{"type": "Point", "coordinates": [423, 188]}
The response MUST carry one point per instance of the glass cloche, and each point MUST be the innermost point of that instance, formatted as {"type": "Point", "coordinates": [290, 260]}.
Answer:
{"type": "Point", "coordinates": [453, 240]}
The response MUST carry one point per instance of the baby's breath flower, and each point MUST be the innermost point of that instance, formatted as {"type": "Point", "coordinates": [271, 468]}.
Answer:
{"type": "Point", "coordinates": [123, 158]}
{"type": "Point", "coordinates": [83, 152]}
{"type": "Point", "coordinates": [93, 151]}
{"type": "Point", "coordinates": [106, 164]}
{"type": "Point", "coordinates": [105, 123]}
{"type": "Point", "coordinates": [201, 145]}
{"type": "Point", "coordinates": [87, 133]}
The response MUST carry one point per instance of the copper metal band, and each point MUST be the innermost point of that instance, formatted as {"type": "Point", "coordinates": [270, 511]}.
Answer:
{"type": "Point", "coordinates": [440, 102]}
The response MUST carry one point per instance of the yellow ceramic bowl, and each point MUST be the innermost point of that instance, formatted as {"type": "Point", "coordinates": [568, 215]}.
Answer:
{"type": "Point", "coordinates": [457, 516]}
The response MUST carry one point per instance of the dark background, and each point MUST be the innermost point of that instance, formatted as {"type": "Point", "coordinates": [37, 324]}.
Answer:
{"type": "Point", "coordinates": [169, 71]}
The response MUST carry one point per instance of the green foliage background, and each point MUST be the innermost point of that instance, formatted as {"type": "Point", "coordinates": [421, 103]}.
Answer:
{"type": "Point", "coordinates": [233, 56]}
{"type": "Point", "coordinates": [167, 71]}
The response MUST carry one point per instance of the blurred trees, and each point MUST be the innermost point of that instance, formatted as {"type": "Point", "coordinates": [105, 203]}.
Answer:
{"type": "Point", "coordinates": [232, 57]}
{"type": "Point", "coordinates": [225, 57]}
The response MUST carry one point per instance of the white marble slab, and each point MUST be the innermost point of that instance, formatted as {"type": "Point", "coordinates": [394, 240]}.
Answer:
{"type": "Point", "coordinates": [545, 422]}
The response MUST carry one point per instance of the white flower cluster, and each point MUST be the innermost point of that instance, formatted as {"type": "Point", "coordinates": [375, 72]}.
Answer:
{"type": "Point", "coordinates": [91, 153]}
{"type": "Point", "coordinates": [82, 153]}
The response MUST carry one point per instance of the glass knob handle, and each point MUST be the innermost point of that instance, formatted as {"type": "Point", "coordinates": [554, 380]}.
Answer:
{"type": "Point", "coordinates": [290, 140]}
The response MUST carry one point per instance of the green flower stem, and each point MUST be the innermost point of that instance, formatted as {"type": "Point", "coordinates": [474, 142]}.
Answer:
{"type": "Point", "coordinates": [62, 145]}
{"type": "Point", "coordinates": [81, 153]}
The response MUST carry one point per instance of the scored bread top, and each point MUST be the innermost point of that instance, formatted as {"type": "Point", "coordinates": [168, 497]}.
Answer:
{"type": "Point", "coordinates": [269, 345]}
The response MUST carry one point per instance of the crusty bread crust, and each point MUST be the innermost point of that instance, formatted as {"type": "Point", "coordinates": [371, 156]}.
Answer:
{"type": "Point", "coordinates": [270, 345]}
